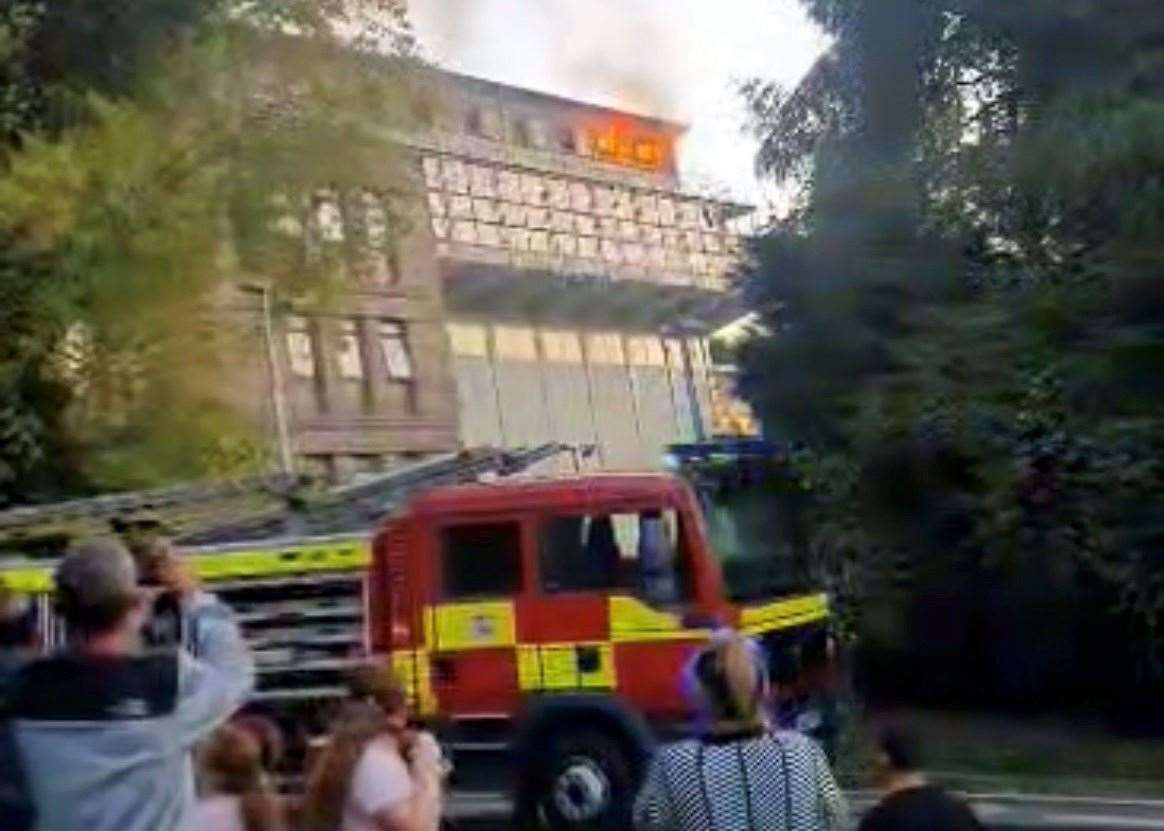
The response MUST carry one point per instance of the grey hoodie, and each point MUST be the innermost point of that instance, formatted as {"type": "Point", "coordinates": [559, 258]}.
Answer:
{"type": "Point", "coordinates": [106, 742]}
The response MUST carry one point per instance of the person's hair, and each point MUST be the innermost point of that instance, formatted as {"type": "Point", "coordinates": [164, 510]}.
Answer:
{"type": "Point", "coordinates": [733, 683]}
{"type": "Point", "coordinates": [86, 616]}
{"type": "Point", "coordinates": [232, 761]}
{"type": "Point", "coordinates": [378, 684]}
{"type": "Point", "coordinates": [330, 778]}
{"type": "Point", "coordinates": [901, 747]}
{"type": "Point", "coordinates": [149, 552]}
{"type": "Point", "coordinates": [17, 620]}
{"type": "Point", "coordinates": [267, 733]}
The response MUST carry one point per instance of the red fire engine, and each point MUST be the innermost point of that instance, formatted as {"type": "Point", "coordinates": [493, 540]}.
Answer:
{"type": "Point", "coordinates": [552, 617]}
{"type": "Point", "coordinates": [547, 619]}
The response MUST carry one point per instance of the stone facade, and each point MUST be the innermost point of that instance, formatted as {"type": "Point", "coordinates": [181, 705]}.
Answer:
{"type": "Point", "coordinates": [558, 284]}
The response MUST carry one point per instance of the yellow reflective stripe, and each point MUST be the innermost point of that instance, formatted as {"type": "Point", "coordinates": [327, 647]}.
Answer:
{"type": "Point", "coordinates": [558, 666]}
{"type": "Point", "coordinates": [474, 625]}
{"type": "Point", "coordinates": [414, 671]}
{"type": "Point", "coordinates": [633, 620]}
{"type": "Point", "coordinates": [783, 614]}
{"type": "Point", "coordinates": [307, 558]}
{"type": "Point", "coordinates": [27, 580]}
{"type": "Point", "coordinates": [292, 559]}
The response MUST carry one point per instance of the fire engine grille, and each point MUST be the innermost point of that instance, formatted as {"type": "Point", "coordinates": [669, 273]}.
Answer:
{"type": "Point", "coordinates": [305, 632]}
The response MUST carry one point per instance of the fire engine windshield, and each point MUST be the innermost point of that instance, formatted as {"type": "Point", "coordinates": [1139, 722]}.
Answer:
{"type": "Point", "coordinates": [752, 513]}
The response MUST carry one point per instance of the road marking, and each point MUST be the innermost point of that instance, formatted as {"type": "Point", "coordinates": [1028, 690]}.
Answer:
{"type": "Point", "coordinates": [1100, 821]}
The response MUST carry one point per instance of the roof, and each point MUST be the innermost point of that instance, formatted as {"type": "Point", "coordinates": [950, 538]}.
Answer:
{"type": "Point", "coordinates": [524, 494]}
{"type": "Point", "coordinates": [483, 85]}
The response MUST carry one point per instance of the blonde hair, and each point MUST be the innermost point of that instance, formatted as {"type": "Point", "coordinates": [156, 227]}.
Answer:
{"type": "Point", "coordinates": [733, 682]}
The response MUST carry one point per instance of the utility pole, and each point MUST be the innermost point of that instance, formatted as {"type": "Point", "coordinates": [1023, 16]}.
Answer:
{"type": "Point", "coordinates": [275, 375]}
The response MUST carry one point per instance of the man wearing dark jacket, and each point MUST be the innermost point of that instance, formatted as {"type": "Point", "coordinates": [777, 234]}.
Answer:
{"type": "Point", "coordinates": [910, 802]}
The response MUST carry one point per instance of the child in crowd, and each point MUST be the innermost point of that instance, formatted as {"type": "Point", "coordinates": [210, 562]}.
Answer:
{"type": "Point", "coordinates": [239, 797]}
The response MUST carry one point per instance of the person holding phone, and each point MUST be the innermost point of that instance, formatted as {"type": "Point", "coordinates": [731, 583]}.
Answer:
{"type": "Point", "coordinates": [106, 728]}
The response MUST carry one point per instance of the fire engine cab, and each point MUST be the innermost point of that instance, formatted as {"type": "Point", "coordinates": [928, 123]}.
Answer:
{"type": "Point", "coordinates": [551, 618]}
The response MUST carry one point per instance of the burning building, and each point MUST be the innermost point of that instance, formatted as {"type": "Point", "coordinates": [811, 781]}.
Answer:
{"type": "Point", "coordinates": [560, 286]}
{"type": "Point", "coordinates": [580, 280]}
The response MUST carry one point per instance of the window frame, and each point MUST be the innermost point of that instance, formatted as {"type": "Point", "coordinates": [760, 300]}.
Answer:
{"type": "Point", "coordinates": [525, 577]}
{"type": "Point", "coordinates": [683, 572]}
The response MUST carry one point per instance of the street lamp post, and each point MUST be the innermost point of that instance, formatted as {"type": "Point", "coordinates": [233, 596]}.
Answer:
{"type": "Point", "coordinates": [278, 399]}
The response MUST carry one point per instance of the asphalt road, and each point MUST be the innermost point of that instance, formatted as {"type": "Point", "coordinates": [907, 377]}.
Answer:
{"type": "Point", "coordinates": [489, 811]}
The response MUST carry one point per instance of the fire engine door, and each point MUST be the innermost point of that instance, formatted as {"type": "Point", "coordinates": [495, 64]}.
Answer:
{"type": "Point", "coordinates": [470, 628]}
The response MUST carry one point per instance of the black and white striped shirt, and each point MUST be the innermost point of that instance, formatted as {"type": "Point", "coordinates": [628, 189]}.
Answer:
{"type": "Point", "coordinates": [776, 782]}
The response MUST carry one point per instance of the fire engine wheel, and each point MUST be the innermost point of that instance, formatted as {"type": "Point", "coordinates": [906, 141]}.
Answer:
{"type": "Point", "coordinates": [590, 785]}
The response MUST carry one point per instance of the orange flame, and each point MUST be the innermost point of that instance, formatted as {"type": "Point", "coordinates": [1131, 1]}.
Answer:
{"type": "Point", "coordinates": [627, 142]}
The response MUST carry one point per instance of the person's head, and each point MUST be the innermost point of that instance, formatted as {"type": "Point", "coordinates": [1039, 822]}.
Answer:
{"type": "Point", "coordinates": [357, 723]}
{"type": "Point", "coordinates": [232, 765]}
{"type": "Point", "coordinates": [266, 732]}
{"type": "Point", "coordinates": [150, 554]}
{"type": "Point", "coordinates": [18, 630]}
{"type": "Point", "coordinates": [732, 684]}
{"type": "Point", "coordinates": [378, 684]}
{"type": "Point", "coordinates": [898, 755]}
{"type": "Point", "coordinates": [97, 593]}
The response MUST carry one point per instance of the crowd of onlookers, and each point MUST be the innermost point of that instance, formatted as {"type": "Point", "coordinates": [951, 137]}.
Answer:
{"type": "Point", "coordinates": [135, 726]}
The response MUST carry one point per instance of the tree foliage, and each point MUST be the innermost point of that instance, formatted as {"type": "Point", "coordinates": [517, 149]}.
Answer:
{"type": "Point", "coordinates": [967, 326]}
{"type": "Point", "coordinates": [154, 151]}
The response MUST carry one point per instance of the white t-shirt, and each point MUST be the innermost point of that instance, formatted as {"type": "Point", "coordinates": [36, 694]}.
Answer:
{"type": "Point", "coordinates": [218, 813]}
{"type": "Point", "coordinates": [382, 779]}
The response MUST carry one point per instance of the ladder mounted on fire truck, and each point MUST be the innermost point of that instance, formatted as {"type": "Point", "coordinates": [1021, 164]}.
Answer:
{"type": "Point", "coordinates": [290, 560]}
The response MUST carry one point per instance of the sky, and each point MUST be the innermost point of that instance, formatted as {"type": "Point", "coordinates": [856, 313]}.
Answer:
{"type": "Point", "coordinates": [679, 59]}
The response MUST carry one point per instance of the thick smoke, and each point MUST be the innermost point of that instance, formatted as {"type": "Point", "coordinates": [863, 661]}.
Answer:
{"type": "Point", "coordinates": [621, 54]}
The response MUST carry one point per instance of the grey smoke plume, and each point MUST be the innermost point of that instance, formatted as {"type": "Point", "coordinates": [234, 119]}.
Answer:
{"type": "Point", "coordinates": [619, 54]}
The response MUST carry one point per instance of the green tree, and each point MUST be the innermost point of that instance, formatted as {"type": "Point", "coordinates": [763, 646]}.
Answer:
{"type": "Point", "coordinates": [966, 312]}
{"type": "Point", "coordinates": [155, 151]}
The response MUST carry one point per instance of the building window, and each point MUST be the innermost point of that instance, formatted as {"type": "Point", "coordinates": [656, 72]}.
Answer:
{"type": "Point", "coordinates": [484, 123]}
{"type": "Point", "coordinates": [326, 217]}
{"type": "Point", "coordinates": [473, 122]}
{"type": "Point", "coordinates": [376, 248]}
{"type": "Point", "coordinates": [605, 552]}
{"type": "Point", "coordinates": [300, 349]}
{"type": "Point", "coordinates": [567, 140]}
{"type": "Point", "coordinates": [537, 134]}
{"type": "Point", "coordinates": [481, 560]}
{"type": "Point", "coordinates": [348, 355]}
{"type": "Point", "coordinates": [394, 349]}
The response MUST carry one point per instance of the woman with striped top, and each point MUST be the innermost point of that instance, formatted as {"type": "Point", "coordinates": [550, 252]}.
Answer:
{"type": "Point", "coordinates": [738, 775]}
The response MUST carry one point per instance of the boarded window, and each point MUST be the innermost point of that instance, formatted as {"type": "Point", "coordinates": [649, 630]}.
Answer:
{"type": "Point", "coordinates": [561, 347]}
{"type": "Point", "coordinates": [481, 560]}
{"type": "Point", "coordinates": [467, 340]}
{"type": "Point", "coordinates": [605, 348]}
{"type": "Point", "coordinates": [645, 351]}
{"type": "Point", "coordinates": [514, 343]}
